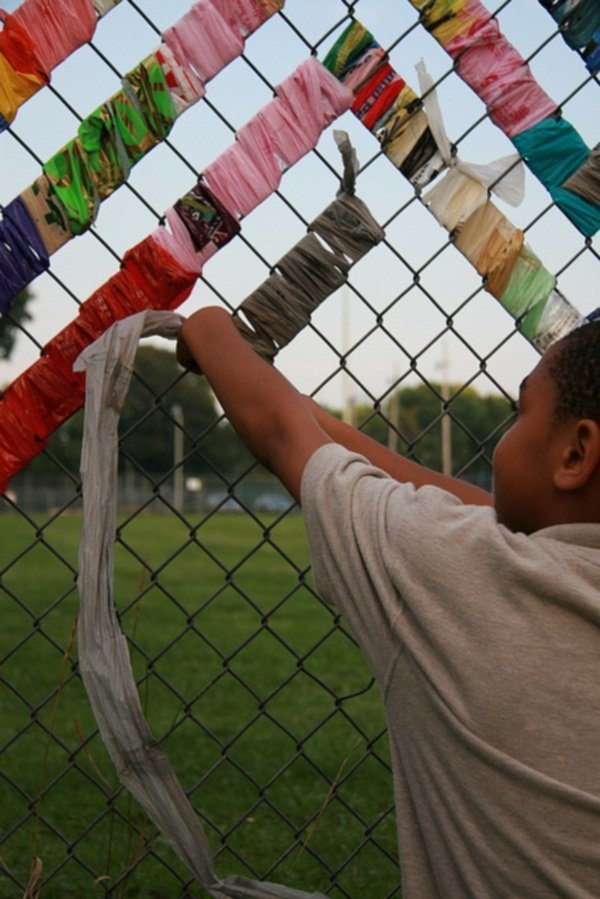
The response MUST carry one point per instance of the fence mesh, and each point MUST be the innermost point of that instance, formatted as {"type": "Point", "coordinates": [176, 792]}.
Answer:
{"type": "Point", "coordinates": [254, 686]}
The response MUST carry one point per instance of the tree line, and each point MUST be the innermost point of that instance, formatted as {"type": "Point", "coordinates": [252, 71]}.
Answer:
{"type": "Point", "coordinates": [409, 420]}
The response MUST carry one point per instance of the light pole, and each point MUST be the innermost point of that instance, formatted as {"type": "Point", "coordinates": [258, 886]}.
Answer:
{"type": "Point", "coordinates": [177, 413]}
{"type": "Point", "coordinates": [446, 420]}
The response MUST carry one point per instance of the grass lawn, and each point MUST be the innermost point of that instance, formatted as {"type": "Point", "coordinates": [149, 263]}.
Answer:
{"type": "Point", "coordinates": [261, 700]}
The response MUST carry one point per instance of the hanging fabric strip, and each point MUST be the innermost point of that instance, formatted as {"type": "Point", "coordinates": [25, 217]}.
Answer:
{"type": "Point", "coordinates": [455, 198]}
{"type": "Point", "coordinates": [141, 762]}
{"type": "Point", "coordinates": [22, 253]}
{"type": "Point", "coordinates": [585, 181]}
{"type": "Point", "coordinates": [57, 27]}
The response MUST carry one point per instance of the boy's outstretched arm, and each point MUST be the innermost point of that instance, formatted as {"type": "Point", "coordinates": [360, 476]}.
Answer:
{"type": "Point", "coordinates": [400, 468]}
{"type": "Point", "coordinates": [269, 415]}
{"type": "Point", "coordinates": [278, 425]}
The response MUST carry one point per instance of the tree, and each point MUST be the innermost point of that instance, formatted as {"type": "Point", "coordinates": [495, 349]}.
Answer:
{"type": "Point", "coordinates": [9, 323]}
{"type": "Point", "coordinates": [147, 429]}
{"type": "Point", "coordinates": [478, 422]}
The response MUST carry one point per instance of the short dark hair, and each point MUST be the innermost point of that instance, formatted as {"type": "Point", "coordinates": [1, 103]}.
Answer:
{"type": "Point", "coordinates": [574, 366]}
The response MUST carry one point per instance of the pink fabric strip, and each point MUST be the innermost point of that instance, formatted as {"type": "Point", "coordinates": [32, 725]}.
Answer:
{"type": "Point", "coordinates": [203, 40]}
{"type": "Point", "coordinates": [57, 27]}
{"type": "Point", "coordinates": [175, 238]}
{"type": "Point", "coordinates": [185, 87]}
{"type": "Point", "coordinates": [238, 183]}
{"type": "Point", "coordinates": [499, 75]}
{"type": "Point", "coordinates": [314, 97]}
{"type": "Point", "coordinates": [242, 16]}
{"type": "Point", "coordinates": [286, 128]}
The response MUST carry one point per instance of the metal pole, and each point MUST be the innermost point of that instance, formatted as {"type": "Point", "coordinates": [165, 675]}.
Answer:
{"type": "Point", "coordinates": [177, 413]}
{"type": "Point", "coordinates": [446, 420]}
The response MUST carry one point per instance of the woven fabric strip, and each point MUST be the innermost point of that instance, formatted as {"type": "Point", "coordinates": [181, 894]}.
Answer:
{"type": "Point", "coordinates": [117, 135]}
{"type": "Point", "coordinates": [478, 229]}
{"type": "Point", "coordinates": [57, 27]}
{"type": "Point", "coordinates": [494, 69]}
{"type": "Point", "coordinates": [22, 253]}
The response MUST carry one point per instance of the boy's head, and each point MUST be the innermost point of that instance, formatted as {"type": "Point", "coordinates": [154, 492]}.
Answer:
{"type": "Point", "coordinates": [547, 467]}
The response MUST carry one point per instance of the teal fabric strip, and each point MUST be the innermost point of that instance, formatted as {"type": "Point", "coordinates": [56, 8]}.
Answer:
{"type": "Point", "coordinates": [554, 150]}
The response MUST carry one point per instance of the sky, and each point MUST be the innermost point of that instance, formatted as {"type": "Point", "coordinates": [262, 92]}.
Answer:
{"type": "Point", "coordinates": [414, 317]}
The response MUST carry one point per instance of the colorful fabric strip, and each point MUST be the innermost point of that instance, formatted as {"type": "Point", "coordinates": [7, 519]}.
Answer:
{"type": "Point", "coordinates": [104, 6]}
{"type": "Point", "coordinates": [373, 100]}
{"type": "Point", "coordinates": [206, 219]}
{"type": "Point", "coordinates": [109, 142]}
{"type": "Point", "coordinates": [153, 277]}
{"type": "Point", "coordinates": [577, 19]}
{"type": "Point", "coordinates": [510, 271]}
{"type": "Point", "coordinates": [448, 20]}
{"type": "Point", "coordinates": [116, 135]}
{"type": "Point", "coordinates": [203, 41]}
{"type": "Point", "coordinates": [500, 77]}
{"type": "Point", "coordinates": [515, 102]}
{"type": "Point", "coordinates": [47, 213]}
{"type": "Point", "coordinates": [585, 182]}
{"type": "Point", "coordinates": [57, 27]}
{"type": "Point", "coordinates": [15, 89]}
{"type": "Point", "coordinates": [22, 253]}
{"type": "Point", "coordinates": [19, 49]}
{"type": "Point", "coordinates": [591, 53]}
{"type": "Point", "coordinates": [185, 88]}
{"type": "Point", "coordinates": [554, 151]}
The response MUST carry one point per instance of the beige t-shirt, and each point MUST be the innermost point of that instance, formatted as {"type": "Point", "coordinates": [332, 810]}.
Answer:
{"type": "Point", "coordinates": [486, 647]}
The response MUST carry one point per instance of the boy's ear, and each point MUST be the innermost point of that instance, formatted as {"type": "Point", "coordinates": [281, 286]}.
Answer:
{"type": "Point", "coordinates": [580, 458]}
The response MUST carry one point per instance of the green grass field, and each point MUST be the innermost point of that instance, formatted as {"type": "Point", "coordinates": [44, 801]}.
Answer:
{"type": "Point", "coordinates": [259, 698]}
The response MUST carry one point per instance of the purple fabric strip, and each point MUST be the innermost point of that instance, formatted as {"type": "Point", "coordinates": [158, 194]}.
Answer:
{"type": "Point", "coordinates": [22, 252]}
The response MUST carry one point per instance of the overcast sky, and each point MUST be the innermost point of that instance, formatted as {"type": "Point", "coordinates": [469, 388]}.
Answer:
{"type": "Point", "coordinates": [84, 80]}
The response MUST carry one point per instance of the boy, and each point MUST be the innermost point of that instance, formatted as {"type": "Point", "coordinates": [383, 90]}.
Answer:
{"type": "Point", "coordinates": [479, 617]}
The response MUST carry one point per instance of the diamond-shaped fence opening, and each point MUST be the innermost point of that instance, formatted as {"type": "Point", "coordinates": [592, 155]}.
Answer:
{"type": "Point", "coordinates": [255, 688]}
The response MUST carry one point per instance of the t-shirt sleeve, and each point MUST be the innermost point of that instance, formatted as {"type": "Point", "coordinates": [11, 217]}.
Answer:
{"type": "Point", "coordinates": [377, 544]}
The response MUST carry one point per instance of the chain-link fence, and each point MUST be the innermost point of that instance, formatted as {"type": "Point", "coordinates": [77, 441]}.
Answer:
{"type": "Point", "coordinates": [255, 687]}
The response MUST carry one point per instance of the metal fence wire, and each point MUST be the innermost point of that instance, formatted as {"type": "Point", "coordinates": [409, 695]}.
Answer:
{"type": "Point", "coordinates": [252, 684]}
